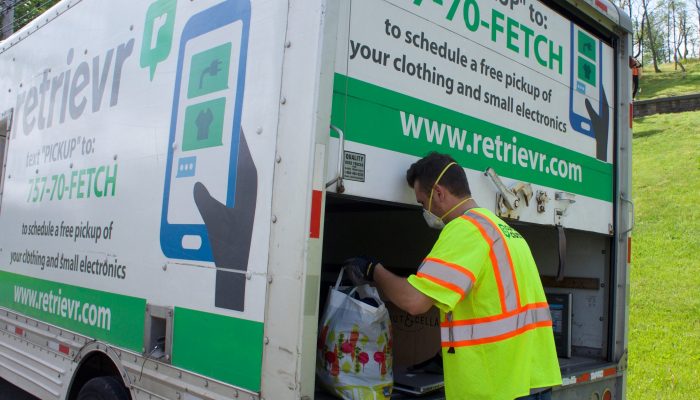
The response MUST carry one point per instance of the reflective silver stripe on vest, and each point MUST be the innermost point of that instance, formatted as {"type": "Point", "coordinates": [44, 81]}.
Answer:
{"type": "Point", "coordinates": [498, 246]}
{"type": "Point", "coordinates": [448, 274]}
{"type": "Point", "coordinates": [493, 329]}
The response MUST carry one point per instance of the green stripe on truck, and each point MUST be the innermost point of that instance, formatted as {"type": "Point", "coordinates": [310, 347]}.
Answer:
{"type": "Point", "coordinates": [110, 317]}
{"type": "Point", "coordinates": [225, 348]}
{"type": "Point", "coordinates": [376, 116]}
{"type": "Point", "coordinates": [222, 347]}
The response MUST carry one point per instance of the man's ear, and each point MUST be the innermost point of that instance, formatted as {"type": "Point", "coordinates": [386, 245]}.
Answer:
{"type": "Point", "coordinates": [439, 192]}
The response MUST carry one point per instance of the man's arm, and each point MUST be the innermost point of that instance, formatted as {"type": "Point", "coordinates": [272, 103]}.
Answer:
{"type": "Point", "coordinates": [400, 292]}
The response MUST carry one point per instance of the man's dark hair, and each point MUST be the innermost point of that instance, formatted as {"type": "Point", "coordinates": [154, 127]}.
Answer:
{"type": "Point", "coordinates": [427, 169]}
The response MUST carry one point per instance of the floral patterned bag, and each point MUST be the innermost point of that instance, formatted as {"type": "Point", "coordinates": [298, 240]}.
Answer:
{"type": "Point", "coordinates": [354, 358]}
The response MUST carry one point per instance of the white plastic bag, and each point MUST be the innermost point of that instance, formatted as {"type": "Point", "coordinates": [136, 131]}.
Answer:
{"type": "Point", "coordinates": [354, 359]}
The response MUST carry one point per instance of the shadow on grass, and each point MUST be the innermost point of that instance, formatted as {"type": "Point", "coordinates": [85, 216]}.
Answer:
{"type": "Point", "coordinates": [646, 133]}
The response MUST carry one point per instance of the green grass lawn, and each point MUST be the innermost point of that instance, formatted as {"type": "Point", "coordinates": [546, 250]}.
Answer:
{"type": "Point", "coordinates": [664, 336]}
{"type": "Point", "coordinates": [669, 82]}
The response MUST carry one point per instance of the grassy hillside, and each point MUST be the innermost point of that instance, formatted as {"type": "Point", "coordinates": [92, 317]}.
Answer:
{"type": "Point", "coordinates": [669, 82]}
{"type": "Point", "coordinates": [664, 337]}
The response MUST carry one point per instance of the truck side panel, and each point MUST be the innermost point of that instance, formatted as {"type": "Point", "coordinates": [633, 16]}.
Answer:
{"type": "Point", "coordinates": [139, 175]}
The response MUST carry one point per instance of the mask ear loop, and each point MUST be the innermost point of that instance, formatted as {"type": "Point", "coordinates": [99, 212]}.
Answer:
{"type": "Point", "coordinates": [430, 201]}
{"type": "Point", "coordinates": [453, 208]}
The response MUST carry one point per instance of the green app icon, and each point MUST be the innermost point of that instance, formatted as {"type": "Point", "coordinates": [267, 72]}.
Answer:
{"type": "Point", "coordinates": [586, 71]}
{"type": "Point", "coordinates": [586, 45]}
{"type": "Point", "coordinates": [157, 34]}
{"type": "Point", "coordinates": [209, 71]}
{"type": "Point", "coordinates": [204, 125]}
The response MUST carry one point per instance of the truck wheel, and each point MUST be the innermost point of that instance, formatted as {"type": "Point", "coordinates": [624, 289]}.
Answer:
{"type": "Point", "coordinates": [103, 388]}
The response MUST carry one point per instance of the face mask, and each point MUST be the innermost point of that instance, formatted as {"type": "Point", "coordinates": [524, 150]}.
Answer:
{"type": "Point", "coordinates": [431, 219]}
{"type": "Point", "coordinates": [436, 222]}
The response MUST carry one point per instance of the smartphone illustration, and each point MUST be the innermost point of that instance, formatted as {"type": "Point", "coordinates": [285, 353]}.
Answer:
{"type": "Point", "coordinates": [585, 82]}
{"type": "Point", "coordinates": [205, 124]}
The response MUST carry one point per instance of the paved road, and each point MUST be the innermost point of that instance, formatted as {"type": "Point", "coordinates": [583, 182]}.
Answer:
{"type": "Point", "coordinates": [10, 392]}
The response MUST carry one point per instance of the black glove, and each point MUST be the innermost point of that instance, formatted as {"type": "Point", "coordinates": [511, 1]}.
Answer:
{"type": "Point", "coordinates": [360, 269]}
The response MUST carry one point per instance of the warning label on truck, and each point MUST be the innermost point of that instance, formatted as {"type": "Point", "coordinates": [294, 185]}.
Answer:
{"type": "Point", "coordinates": [354, 166]}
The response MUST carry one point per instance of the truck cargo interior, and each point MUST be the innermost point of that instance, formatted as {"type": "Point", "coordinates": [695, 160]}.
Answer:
{"type": "Point", "coordinates": [397, 235]}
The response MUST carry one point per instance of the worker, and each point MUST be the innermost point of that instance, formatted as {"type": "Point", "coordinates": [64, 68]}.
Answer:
{"type": "Point", "coordinates": [495, 324]}
{"type": "Point", "coordinates": [636, 73]}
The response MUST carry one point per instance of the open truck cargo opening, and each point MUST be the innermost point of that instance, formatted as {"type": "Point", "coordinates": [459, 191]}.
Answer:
{"type": "Point", "coordinates": [181, 181]}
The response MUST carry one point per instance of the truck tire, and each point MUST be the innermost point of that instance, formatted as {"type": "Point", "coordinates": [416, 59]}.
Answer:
{"type": "Point", "coordinates": [103, 388]}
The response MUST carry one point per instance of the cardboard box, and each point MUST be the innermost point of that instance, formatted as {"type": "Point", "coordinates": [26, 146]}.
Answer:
{"type": "Point", "coordinates": [416, 338]}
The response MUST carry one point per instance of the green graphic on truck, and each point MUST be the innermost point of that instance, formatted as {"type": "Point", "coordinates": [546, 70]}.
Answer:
{"type": "Point", "coordinates": [157, 34]}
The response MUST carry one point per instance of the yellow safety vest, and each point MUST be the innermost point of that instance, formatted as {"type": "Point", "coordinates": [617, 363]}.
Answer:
{"type": "Point", "coordinates": [496, 329]}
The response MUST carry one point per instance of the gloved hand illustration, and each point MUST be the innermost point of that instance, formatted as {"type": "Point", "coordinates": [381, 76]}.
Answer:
{"type": "Point", "coordinates": [600, 127]}
{"type": "Point", "coordinates": [230, 230]}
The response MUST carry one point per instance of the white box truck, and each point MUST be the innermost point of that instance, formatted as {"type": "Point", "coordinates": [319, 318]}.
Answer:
{"type": "Point", "coordinates": [180, 180]}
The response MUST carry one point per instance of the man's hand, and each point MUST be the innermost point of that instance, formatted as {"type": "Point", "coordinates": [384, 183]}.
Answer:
{"type": "Point", "coordinates": [360, 270]}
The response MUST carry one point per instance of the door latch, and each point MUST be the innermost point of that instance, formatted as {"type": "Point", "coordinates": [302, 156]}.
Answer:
{"type": "Point", "coordinates": [508, 199]}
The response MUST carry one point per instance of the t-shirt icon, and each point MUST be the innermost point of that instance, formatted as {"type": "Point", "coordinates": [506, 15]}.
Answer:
{"type": "Point", "coordinates": [586, 71]}
{"type": "Point", "coordinates": [203, 122]}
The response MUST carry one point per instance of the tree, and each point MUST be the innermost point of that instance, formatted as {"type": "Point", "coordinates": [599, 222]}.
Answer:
{"type": "Point", "coordinates": [652, 38]}
{"type": "Point", "coordinates": [683, 30]}
{"type": "Point", "coordinates": [639, 37]}
{"type": "Point", "coordinates": [6, 18]}
{"type": "Point", "coordinates": [675, 17]}
{"type": "Point", "coordinates": [632, 9]}
{"type": "Point", "coordinates": [668, 31]}
{"type": "Point", "coordinates": [693, 46]}
{"type": "Point", "coordinates": [26, 10]}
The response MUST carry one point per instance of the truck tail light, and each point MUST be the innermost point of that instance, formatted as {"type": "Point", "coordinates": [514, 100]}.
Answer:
{"type": "Point", "coordinates": [601, 5]}
{"type": "Point", "coordinates": [631, 114]}
{"type": "Point", "coordinates": [316, 199]}
{"type": "Point", "coordinates": [629, 249]}
{"type": "Point", "coordinates": [607, 394]}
